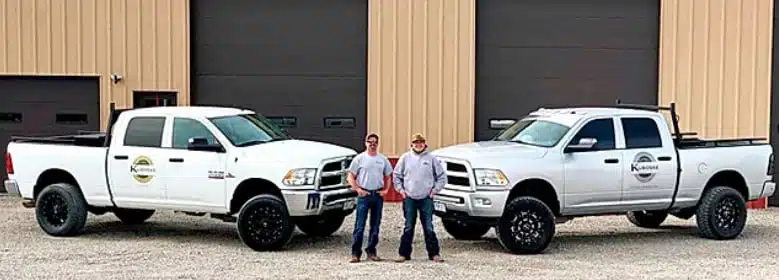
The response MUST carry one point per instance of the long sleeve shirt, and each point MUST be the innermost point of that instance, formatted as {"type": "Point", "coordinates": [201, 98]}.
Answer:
{"type": "Point", "coordinates": [418, 175]}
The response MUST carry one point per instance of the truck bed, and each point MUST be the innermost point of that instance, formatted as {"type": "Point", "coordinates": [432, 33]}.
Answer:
{"type": "Point", "coordinates": [748, 157]}
{"type": "Point", "coordinates": [81, 156]}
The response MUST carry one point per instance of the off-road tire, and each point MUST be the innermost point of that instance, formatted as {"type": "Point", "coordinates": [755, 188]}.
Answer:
{"type": "Point", "coordinates": [264, 223]}
{"type": "Point", "coordinates": [133, 216]}
{"type": "Point", "coordinates": [647, 219]}
{"type": "Point", "coordinates": [61, 210]}
{"type": "Point", "coordinates": [465, 231]}
{"type": "Point", "coordinates": [721, 214]}
{"type": "Point", "coordinates": [539, 226]}
{"type": "Point", "coordinates": [321, 226]}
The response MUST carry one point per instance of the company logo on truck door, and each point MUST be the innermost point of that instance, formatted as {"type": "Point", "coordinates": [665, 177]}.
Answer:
{"type": "Point", "coordinates": [644, 167]}
{"type": "Point", "coordinates": [142, 169]}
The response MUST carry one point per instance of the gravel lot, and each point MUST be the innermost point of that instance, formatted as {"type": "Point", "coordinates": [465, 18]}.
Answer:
{"type": "Point", "coordinates": [174, 246]}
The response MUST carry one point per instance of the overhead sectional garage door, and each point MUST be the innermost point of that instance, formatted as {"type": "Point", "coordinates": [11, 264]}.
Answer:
{"type": "Point", "coordinates": [45, 106]}
{"type": "Point", "coordinates": [303, 63]}
{"type": "Point", "coordinates": [533, 53]}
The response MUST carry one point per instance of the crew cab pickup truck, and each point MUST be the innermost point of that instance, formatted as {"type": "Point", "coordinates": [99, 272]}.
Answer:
{"type": "Point", "coordinates": [230, 163]}
{"type": "Point", "coordinates": [557, 164]}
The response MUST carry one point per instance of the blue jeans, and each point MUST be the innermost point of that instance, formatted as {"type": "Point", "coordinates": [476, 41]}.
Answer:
{"type": "Point", "coordinates": [373, 203]}
{"type": "Point", "coordinates": [425, 209]}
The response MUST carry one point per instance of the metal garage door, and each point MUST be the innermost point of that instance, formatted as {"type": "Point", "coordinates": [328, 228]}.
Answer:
{"type": "Point", "coordinates": [774, 134]}
{"type": "Point", "coordinates": [301, 62]}
{"type": "Point", "coordinates": [533, 53]}
{"type": "Point", "coordinates": [43, 106]}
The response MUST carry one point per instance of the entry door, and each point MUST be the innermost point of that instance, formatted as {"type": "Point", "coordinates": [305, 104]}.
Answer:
{"type": "Point", "coordinates": [593, 178]}
{"type": "Point", "coordinates": [195, 179]}
{"type": "Point", "coordinates": [143, 99]}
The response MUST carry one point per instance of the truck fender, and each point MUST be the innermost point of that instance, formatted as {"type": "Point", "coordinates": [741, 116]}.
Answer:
{"type": "Point", "coordinates": [252, 187]}
{"type": "Point", "coordinates": [726, 178]}
{"type": "Point", "coordinates": [538, 188]}
{"type": "Point", "coordinates": [53, 176]}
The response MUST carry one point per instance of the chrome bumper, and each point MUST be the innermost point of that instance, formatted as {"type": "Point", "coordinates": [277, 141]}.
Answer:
{"type": "Point", "coordinates": [475, 204]}
{"type": "Point", "coordinates": [312, 202]}
{"type": "Point", "coordinates": [12, 187]}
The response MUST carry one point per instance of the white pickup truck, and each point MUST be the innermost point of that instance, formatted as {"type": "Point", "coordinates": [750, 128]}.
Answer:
{"type": "Point", "coordinates": [231, 163]}
{"type": "Point", "coordinates": [557, 164]}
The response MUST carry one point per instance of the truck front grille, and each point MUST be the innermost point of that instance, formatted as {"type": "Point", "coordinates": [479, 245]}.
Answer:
{"type": "Point", "coordinates": [332, 175]}
{"type": "Point", "coordinates": [456, 167]}
{"type": "Point", "coordinates": [458, 175]}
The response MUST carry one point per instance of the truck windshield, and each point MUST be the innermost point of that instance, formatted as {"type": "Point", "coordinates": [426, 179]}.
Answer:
{"type": "Point", "coordinates": [248, 129]}
{"type": "Point", "coordinates": [534, 132]}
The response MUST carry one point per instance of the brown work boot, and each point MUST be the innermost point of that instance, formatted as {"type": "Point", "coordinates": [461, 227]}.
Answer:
{"type": "Point", "coordinates": [354, 259]}
{"type": "Point", "coordinates": [374, 258]}
{"type": "Point", "coordinates": [436, 259]}
{"type": "Point", "coordinates": [401, 259]}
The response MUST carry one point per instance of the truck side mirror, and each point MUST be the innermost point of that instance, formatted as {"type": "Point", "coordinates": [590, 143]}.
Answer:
{"type": "Point", "coordinates": [201, 144]}
{"type": "Point", "coordinates": [583, 145]}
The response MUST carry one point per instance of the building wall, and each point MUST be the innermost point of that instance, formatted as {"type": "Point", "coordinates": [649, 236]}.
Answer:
{"type": "Point", "coordinates": [714, 59]}
{"type": "Point", "coordinates": [421, 61]}
{"type": "Point", "coordinates": [146, 42]}
{"type": "Point", "coordinates": [715, 63]}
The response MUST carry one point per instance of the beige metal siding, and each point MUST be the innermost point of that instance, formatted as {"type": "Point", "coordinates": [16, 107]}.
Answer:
{"type": "Point", "coordinates": [715, 59]}
{"type": "Point", "coordinates": [421, 71]}
{"type": "Point", "coordinates": [145, 41]}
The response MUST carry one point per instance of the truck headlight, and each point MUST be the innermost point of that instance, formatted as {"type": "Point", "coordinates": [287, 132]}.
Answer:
{"type": "Point", "coordinates": [490, 177]}
{"type": "Point", "coordinates": [300, 177]}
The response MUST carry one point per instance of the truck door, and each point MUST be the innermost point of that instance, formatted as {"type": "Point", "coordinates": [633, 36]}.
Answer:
{"type": "Point", "coordinates": [134, 162]}
{"type": "Point", "coordinates": [196, 178]}
{"type": "Point", "coordinates": [649, 166]}
{"type": "Point", "coordinates": [593, 177]}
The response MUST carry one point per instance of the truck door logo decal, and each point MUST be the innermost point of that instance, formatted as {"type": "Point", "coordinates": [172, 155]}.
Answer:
{"type": "Point", "coordinates": [644, 167]}
{"type": "Point", "coordinates": [142, 169]}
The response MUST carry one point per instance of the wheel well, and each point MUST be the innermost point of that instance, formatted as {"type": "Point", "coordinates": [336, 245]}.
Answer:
{"type": "Point", "coordinates": [537, 188]}
{"type": "Point", "coordinates": [729, 178]}
{"type": "Point", "coordinates": [53, 176]}
{"type": "Point", "coordinates": [250, 188]}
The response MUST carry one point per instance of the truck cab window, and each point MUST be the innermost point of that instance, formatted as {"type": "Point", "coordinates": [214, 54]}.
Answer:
{"type": "Point", "coordinates": [641, 133]}
{"type": "Point", "coordinates": [145, 132]}
{"type": "Point", "coordinates": [600, 129]}
{"type": "Point", "coordinates": [185, 128]}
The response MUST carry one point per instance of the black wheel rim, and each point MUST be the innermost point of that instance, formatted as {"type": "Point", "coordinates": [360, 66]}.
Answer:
{"type": "Point", "coordinates": [54, 209]}
{"type": "Point", "coordinates": [264, 224]}
{"type": "Point", "coordinates": [727, 214]}
{"type": "Point", "coordinates": [526, 227]}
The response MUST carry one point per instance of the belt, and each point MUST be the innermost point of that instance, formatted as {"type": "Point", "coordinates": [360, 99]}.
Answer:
{"type": "Point", "coordinates": [371, 191]}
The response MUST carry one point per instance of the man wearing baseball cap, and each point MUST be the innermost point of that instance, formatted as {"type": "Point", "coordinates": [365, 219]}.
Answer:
{"type": "Point", "coordinates": [369, 176]}
{"type": "Point", "coordinates": [417, 177]}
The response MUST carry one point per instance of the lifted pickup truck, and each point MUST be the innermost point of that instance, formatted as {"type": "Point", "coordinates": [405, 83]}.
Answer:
{"type": "Point", "coordinates": [230, 163]}
{"type": "Point", "coordinates": [557, 164]}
